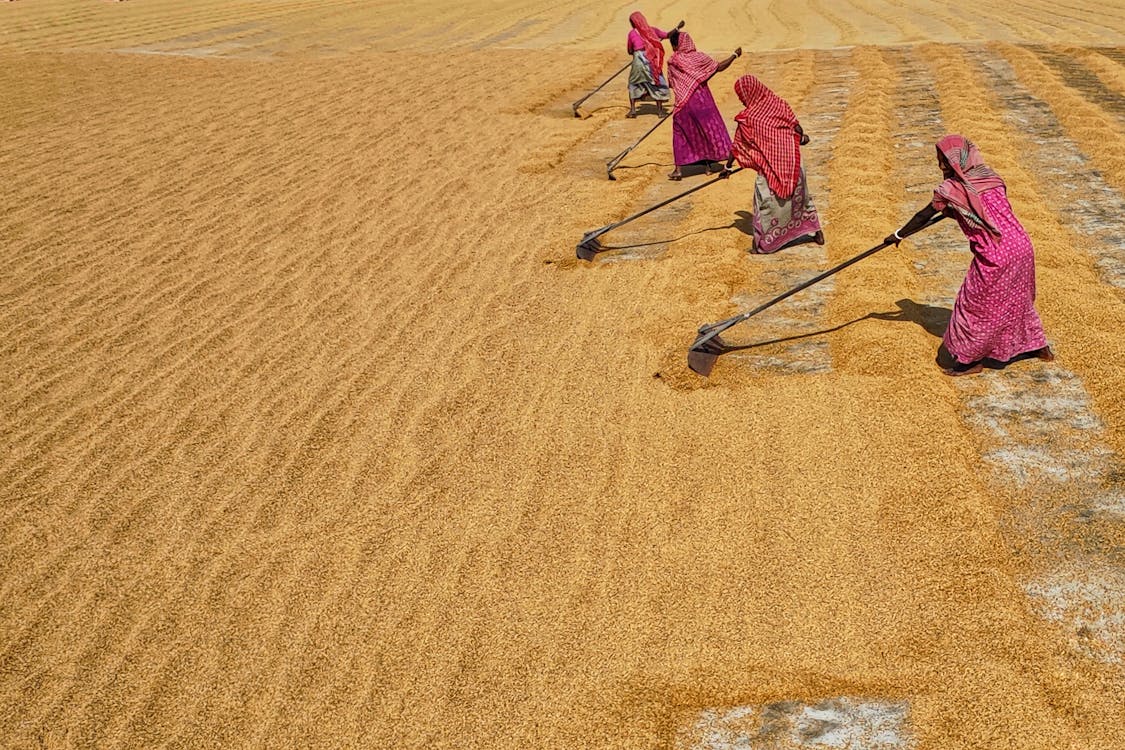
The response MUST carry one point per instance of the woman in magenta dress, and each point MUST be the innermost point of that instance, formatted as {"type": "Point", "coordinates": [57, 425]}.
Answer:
{"type": "Point", "coordinates": [699, 135]}
{"type": "Point", "coordinates": [994, 315]}
{"type": "Point", "coordinates": [646, 74]}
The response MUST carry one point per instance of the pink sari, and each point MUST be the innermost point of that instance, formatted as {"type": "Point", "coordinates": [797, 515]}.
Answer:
{"type": "Point", "coordinates": [971, 178]}
{"type": "Point", "coordinates": [994, 315]}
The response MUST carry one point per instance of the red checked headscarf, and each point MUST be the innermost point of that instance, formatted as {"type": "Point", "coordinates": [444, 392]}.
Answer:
{"type": "Point", "coordinates": [688, 69]}
{"type": "Point", "coordinates": [654, 50]}
{"type": "Point", "coordinates": [971, 177]}
{"type": "Point", "coordinates": [766, 139]}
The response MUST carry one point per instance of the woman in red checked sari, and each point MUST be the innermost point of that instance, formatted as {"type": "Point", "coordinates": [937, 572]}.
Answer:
{"type": "Point", "coordinates": [699, 135]}
{"type": "Point", "coordinates": [768, 140]}
{"type": "Point", "coordinates": [994, 315]}
{"type": "Point", "coordinates": [646, 74]}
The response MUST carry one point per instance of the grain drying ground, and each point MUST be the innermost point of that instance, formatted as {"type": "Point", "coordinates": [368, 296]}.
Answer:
{"type": "Point", "coordinates": [316, 433]}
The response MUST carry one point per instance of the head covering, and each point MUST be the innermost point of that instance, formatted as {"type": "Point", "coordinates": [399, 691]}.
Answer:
{"type": "Point", "coordinates": [766, 139]}
{"type": "Point", "coordinates": [971, 177]}
{"type": "Point", "coordinates": [688, 69]}
{"type": "Point", "coordinates": [654, 50]}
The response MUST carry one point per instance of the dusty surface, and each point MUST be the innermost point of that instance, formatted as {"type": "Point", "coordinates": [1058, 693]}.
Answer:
{"type": "Point", "coordinates": [316, 434]}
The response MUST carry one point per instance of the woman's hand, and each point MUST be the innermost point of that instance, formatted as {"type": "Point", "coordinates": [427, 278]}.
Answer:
{"type": "Point", "coordinates": [804, 139]}
{"type": "Point", "coordinates": [919, 220]}
{"type": "Point", "coordinates": [727, 169]}
{"type": "Point", "coordinates": [892, 239]}
{"type": "Point", "coordinates": [727, 62]}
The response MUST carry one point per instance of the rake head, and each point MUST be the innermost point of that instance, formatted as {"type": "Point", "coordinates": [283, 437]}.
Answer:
{"type": "Point", "coordinates": [612, 163]}
{"type": "Point", "coordinates": [590, 246]}
{"type": "Point", "coordinates": [580, 113]}
{"type": "Point", "coordinates": [701, 356]}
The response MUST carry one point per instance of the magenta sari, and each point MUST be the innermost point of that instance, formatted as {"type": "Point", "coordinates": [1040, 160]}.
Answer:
{"type": "Point", "coordinates": [698, 131]}
{"type": "Point", "coordinates": [994, 315]}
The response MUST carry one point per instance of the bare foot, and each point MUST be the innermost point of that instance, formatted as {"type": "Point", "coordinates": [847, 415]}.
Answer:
{"type": "Point", "coordinates": [1045, 354]}
{"type": "Point", "coordinates": [675, 176]}
{"type": "Point", "coordinates": [958, 370]}
{"type": "Point", "coordinates": [818, 238]}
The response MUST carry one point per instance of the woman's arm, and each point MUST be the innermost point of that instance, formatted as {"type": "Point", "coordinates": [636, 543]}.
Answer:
{"type": "Point", "coordinates": [726, 63]}
{"type": "Point", "coordinates": [664, 34]}
{"type": "Point", "coordinates": [920, 219]}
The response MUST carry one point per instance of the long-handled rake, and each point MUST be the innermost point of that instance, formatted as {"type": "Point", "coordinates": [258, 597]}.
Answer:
{"type": "Point", "coordinates": [578, 103]}
{"type": "Point", "coordinates": [708, 347]}
{"type": "Point", "coordinates": [589, 245]}
{"type": "Point", "coordinates": [612, 163]}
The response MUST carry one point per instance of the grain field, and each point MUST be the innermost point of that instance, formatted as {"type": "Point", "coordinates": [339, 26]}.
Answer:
{"type": "Point", "coordinates": [316, 434]}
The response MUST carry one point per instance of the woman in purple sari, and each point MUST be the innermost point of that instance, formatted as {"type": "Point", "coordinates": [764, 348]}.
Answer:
{"type": "Point", "coordinates": [699, 134]}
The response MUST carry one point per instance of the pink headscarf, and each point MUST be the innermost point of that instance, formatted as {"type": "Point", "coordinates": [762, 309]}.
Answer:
{"type": "Point", "coordinates": [688, 69]}
{"type": "Point", "coordinates": [766, 139]}
{"type": "Point", "coordinates": [971, 178]}
{"type": "Point", "coordinates": [654, 50]}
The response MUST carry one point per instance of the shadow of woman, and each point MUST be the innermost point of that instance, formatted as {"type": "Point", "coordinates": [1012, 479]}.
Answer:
{"type": "Point", "coordinates": [744, 223]}
{"type": "Point", "coordinates": [933, 319]}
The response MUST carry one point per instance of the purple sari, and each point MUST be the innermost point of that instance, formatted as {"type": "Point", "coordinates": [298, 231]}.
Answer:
{"type": "Point", "coordinates": [698, 131]}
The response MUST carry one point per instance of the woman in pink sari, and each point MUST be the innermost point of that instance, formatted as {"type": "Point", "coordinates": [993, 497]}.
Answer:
{"type": "Point", "coordinates": [994, 315]}
{"type": "Point", "coordinates": [699, 135]}
{"type": "Point", "coordinates": [768, 139]}
{"type": "Point", "coordinates": [646, 74]}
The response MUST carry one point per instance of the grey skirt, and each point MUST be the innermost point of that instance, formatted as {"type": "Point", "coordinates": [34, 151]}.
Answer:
{"type": "Point", "coordinates": [641, 85]}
